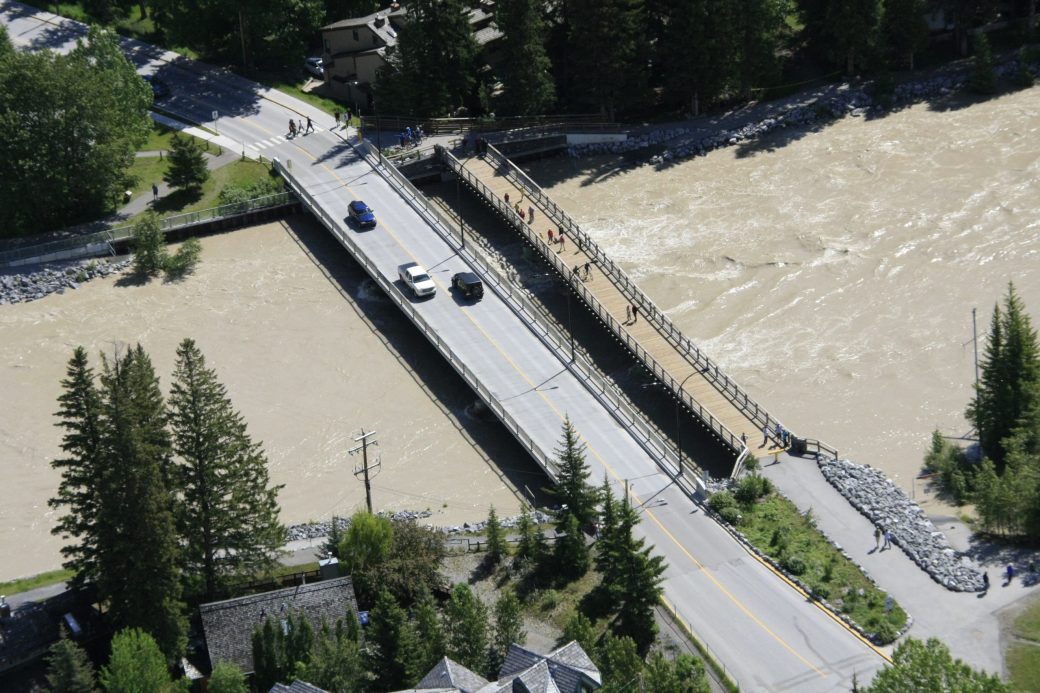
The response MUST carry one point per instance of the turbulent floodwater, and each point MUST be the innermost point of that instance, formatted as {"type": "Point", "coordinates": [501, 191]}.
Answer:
{"type": "Point", "coordinates": [833, 273]}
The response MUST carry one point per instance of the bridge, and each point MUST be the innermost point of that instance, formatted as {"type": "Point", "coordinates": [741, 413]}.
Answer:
{"type": "Point", "coordinates": [766, 633]}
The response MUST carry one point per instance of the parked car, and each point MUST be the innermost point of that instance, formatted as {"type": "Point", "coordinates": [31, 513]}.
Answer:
{"type": "Point", "coordinates": [314, 66]}
{"type": "Point", "coordinates": [159, 88]}
{"type": "Point", "coordinates": [469, 285]}
{"type": "Point", "coordinates": [416, 278]}
{"type": "Point", "coordinates": [361, 214]}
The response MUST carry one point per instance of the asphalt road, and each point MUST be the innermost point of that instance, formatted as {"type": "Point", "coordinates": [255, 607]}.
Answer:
{"type": "Point", "coordinates": [767, 634]}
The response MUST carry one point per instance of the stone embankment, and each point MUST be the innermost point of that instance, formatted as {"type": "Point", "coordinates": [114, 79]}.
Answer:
{"type": "Point", "coordinates": [320, 530]}
{"type": "Point", "coordinates": [887, 506]}
{"type": "Point", "coordinates": [19, 288]}
{"type": "Point", "coordinates": [684, 142]}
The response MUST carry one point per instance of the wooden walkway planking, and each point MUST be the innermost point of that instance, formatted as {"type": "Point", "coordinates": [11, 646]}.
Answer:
{"type": "Point", "coordinates": [696, 385]}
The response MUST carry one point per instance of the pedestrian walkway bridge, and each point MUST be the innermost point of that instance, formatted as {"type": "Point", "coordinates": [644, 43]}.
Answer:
{"type": "Point", "coordinates": [718, 402]}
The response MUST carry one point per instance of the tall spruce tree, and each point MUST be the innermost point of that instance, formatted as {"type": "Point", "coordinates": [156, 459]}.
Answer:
{"type": "Point", "coordinates": [428, 645]}
{"type": "Point", "coordinates": [69, 670]}
{"type": "Point", "coordinates": [227, 511]}
{"type": "Point", "coordinates": [466, 625]}
{"type": "Point", "coordinates": [904, 30]}
{"type": "Point", "coordinates": [335, 661]}
{"type": "Point", "coordinates": [634, 578]}
{"type": "Point", "coordinates": [187, 164]}
{"type": "Point", "coordinates": [570, 553]}
{"type": "Point", "coordinates": [697, 47]}
{"type": "Point", "coordinates": [609, 53]}
{"type": "Point", "coordinates": [136, 665]}
{"type": "Point", "coordinates": [572, 488]}
{"type": "Point", "coordinates": [607, 542]}
{"type": "Point", "coordinates": [387, 633]}
{"type": "Point", "coordinates": [496, 539]}
{"type": "Point", "coordinates": [1009, 386]}
{"type": "Point", "coordinates": [82, 468]}
{"type": "Point", "coordinates": [509, 629]}
{"type": "Point", "coordinates": [851, 29]}
{"type": "Point", "coordinates": [525, 69]}
{"type": "Point", "coordinates": [138, 576]}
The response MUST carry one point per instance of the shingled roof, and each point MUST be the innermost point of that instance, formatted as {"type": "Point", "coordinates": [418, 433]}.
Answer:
{"type": "Point", "coordinates": [229, 624]}
{"type": "Point", "coordinates": [296, 687]}
{"type": "Point", "coordinates": [447, 674]}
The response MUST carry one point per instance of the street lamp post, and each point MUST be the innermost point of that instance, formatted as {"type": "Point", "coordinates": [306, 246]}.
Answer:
{"type": "Point", "coordinates": [570, 326]}
{"type": "Point", "coordinates": [678, 428]}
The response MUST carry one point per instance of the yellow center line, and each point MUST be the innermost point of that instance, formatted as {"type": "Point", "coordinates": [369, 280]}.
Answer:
{"type": "Point", "coordinates": [561, 416]}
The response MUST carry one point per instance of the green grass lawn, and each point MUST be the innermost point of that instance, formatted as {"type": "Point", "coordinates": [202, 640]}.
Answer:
{"type": "Point", "coordinates": [775, 526]}
{"type": "Point", "coordinates": [1022, 658]}
{"type": "Point", "coordinates": [238, 173]}
{"type": "Point", "coordinates": [161, 137]}
{"type": "Point", "coordinates": [51, 577]}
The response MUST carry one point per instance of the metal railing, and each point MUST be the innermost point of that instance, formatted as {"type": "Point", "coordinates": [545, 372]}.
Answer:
{"type": "Point", "coordinates": [579, 287]}
{"type": "Point", "coordinates": [693, 355]}
{"type": "Point", "coordinates": [107, 237]}
{"type": "Point", "coordinates": [439, 126]}
{"type": "Point", "coordinates": [553, 335]}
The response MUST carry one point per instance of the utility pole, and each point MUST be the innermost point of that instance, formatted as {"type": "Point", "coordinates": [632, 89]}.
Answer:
{"type": "Point", "coordinates": [363, 448]}
{"type": "Point", "coordinates": [975, 340]}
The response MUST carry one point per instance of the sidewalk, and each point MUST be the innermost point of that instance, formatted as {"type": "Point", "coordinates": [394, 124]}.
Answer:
{"type": "Point", "coordinates": [966, 621]}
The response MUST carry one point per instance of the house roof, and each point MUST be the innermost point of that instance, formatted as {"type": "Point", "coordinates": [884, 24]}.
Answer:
{"type": "Point", "coordinates": [296, 687]}
{"type": "Point", "coordinates": [452, 676]}
{"type": "Point", "coordinates": [379, 23]}
{"type": "Point", "coordinates": [229, 624]}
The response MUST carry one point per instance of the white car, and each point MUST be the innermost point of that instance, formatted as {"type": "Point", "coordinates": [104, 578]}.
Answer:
{"type": "Point", "coordinates": [315, 67]}
{"type": "Point", "coordinates": [416, 278]}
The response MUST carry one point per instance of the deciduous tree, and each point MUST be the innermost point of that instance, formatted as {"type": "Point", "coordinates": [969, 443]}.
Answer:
{"type": "Point", "coordinates": [136, 665]}
{"type": "Point", "coordinates": [336, 663]}
{"type": "Point", "coordinates": [509, 629]}
{"type": "Point", "coordinates": [149, 245]}
{"type": "Point", "coordinates": [928, 666]}
{"type": "Point", "coordinates": [227, 678]}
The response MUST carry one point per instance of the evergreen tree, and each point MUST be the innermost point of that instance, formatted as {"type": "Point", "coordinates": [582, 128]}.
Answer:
{"type": "Point", "coordinates": [149, 245]}
{"type": "Point", "coordinates": [525, 69]}
{"type": "Point", "coordinates": [82, 468]}
{"type": "Point", "coordinates": [509, 629]}
{"type": "Point", "coordinates": [432, 70]}
{"type": "Point", "coordinates": [299, 639]}
{"type": "Point", "coordinates": [69, 670]}
{"type": "Point", "coordinates": [608, 37]}
{"type": "Point", "coordinates": [187, 165]}
{"type": "Point", "coordinates": [138, 576]}
{"type": "Point", "coordinates": [269, 665]}
{"type": "Point", "coordinates": [136, 665]}
{"type": "Point", "coordinates": [466, 625]}
{"type": "Point", "coordinates": [525, 547]}
{"type": "Point", "coordinates": [386, 635]}
{"type": "Point", "coordinates": [983, 78]}
{"type": "Point", "coordinates": [634, 578]}
{"type": "Point", "coordinates": [607, 543]}
{"type": "Point", "coordinates": [429, 644]}
{"type": "Point", "coordinates": [227, 678]}
{"type": "Point", "coordinates": [571, 552]}
{"type": "Point", "coordinates": [1010, 377]}
{"type": "Point", "coordinates": [619, 663]}
{"type": "Point", "coordinates": [579, 629]}
{"type": "Point", "coordinates": [496, 539]}
{"type": "Point", "coordinates": [905, 30]}
{"type": "Point", "coordinates": [572, 488]}
{"type": "Point", "coordinates": [928, 666]}
{"type": "Point", "coordinates": [696, 49]}
{"type": "Point", "coordinates": [335, 662]}
{"type": "Point", "coordinates": [228, 510]}
{"type": "Point", "coordinates": [852, 28]}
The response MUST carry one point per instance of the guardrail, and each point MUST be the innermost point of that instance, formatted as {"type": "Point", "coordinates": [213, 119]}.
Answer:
{"type": "Point", "coordinates": [54, 249]}
{"type": "Point", "coordinates": [438, 126]}
{"type": "Point", "coordinates": [684, 472]}
{"type": "Point", "coordinates": [722, 382]}
{"type": "Point", "coordinates": [579, 287]}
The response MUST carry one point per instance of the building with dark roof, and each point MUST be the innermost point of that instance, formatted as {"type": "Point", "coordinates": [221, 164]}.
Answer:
{"type": "Point", "coordinates": [296, 687]}
{"type": "Point", "coordinates": [564, 670]}
{"type": "Point", "coordinates": [229, 625]}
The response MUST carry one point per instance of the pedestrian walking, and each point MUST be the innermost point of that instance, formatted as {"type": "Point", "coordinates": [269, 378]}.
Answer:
{"type": "Point", "coordinates": [635, 314]}
{"type": "Point", "coordinates": [877, 537]}
{"type": "Point", "coordinates": [507, 198]}
{"type": "Point", "coordinates": [550, 234]}
{"type": "Point", "coordinates": [530, 214]}
{"type": "Point", "coordinates": [1009, 573]}
{"type": "Point", "coordinates": [787, 438]}
{"type": "Point", "coordinates": [155, 191]}
{"type": "Point", "coordinates": [310, 124]}
{"type": "Point", "coordinates": [985, 582]}
{"type": "Point", "coordinates": [586, 268]}
{"type": "Point", "coordinates": [765, 436]}
{"type": "Point", "coordinates": [336, 114]}
{"type": "Point", "coordinates": [888, 539]}
{"type": "Point", "coordinates": [743, 438]}
{"type": "Point", "coordinates": [563, 241]}
{"type": "Point", "coordinates": [292, 128]}
{"type": "Point", "coordinates": [779, 431]}
{"type": "Point", "coordinates": [628, 314]}
{"type": "Point", "coordinates": [299, 127]}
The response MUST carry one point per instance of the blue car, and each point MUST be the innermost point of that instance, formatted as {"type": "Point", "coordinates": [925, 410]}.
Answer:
{"type": "Point", "coordinates": [362, 214]}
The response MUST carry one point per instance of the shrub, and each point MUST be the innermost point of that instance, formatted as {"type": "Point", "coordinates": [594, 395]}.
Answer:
{"type": "Point", "coordinates": [794, 564]}
{"type": "Point", "coordinates": [751, 488]}
{"type": "Point", "coordinates": [721, 500]}
{"type": "Point", "coordinates": [184, 260]}
{"type": "Point", "coordinates": [886, 633]}
{"type": "Point", "coordinates": [730, 515]}
{"type": "Point", "coordinates": [149, 245]}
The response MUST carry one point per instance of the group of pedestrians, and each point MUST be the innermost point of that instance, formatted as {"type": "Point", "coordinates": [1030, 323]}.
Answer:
{"type": "Point", "coordinates": [583, 272]}
{"type": "Point", "coordinates": [300, 129]}
{"type": "Point", "coordinates": [880, 534]}
{"type": "Point", "coordinates": [631, 314]}
{"type": "Point", "coordinates": [410, 137]}
{"type": "Point", "coordinates": [782, 435]}
{"type": "Point", "coordinates": [346, 118]}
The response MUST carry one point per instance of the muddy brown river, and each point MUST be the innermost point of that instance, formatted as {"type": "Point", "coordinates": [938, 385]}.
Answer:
{"type": "Point", "coordinates": [833, 274]}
